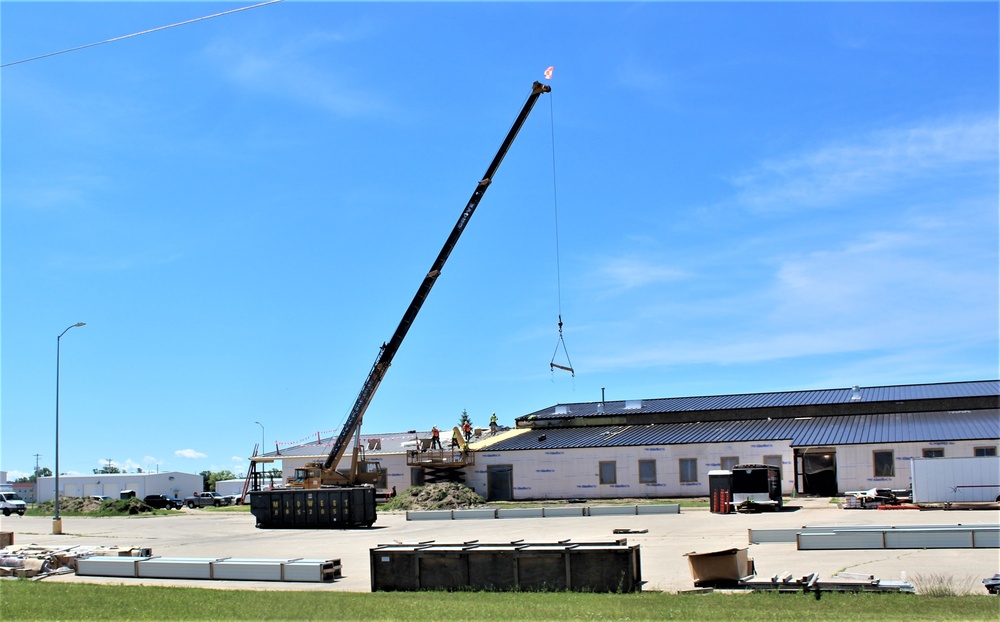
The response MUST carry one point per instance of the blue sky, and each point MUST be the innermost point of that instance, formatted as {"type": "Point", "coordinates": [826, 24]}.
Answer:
{"type": "Point", "coordinates": [750, 198]}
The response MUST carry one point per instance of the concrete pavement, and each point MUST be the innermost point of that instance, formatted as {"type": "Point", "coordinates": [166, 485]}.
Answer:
{"type": "Point", "coordinates": [197, 533]}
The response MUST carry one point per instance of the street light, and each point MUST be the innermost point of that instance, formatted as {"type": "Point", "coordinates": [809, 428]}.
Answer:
{"type": "Point", "coordinates": [261, 436]}
{"type": "Point", "coordinates": [56, 521]}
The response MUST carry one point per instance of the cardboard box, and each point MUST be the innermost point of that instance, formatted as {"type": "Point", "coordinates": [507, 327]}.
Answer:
{"type": "Point", "coordinates": [719, 567]}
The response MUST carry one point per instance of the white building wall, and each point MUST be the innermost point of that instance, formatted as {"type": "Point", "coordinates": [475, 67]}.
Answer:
{"type": "Point", "coordinates": [111, 484]}
{"type": "Point", "coordinates": [856, 463]}
{"type": "Point", "coordinates": [569, 473]}
{"type": "Point", "coordinates": [230, 486]}
{"type": "Point", "coordinates": [574, 473]}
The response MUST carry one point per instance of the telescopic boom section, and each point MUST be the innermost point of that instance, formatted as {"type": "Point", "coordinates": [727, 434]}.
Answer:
{"type": "Point", "coordinates": [388, 350]}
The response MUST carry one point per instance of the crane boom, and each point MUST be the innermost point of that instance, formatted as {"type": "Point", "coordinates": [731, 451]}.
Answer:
{"type": "Point", "coordinates": [388, 350]}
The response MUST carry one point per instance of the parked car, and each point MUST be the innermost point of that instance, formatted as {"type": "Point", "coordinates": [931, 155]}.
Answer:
{"type": "Point", "coordinates": [100, 498]}
{"type": "Point", "coordinates": [204, 499]}
{"type": "Point", "coordinates": [163, 502]}
{"type": "Point", "coordinates": [12, 503]}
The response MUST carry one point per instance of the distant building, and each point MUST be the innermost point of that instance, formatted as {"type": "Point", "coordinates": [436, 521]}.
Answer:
{"type": "Point", "coordinates": [230, 486]}
{"type": "Point", "coordinates": [25, 490]}
{"type": "Point", "coordinates": [111, 484]}
{"type": "Point", "coordinates": [825, 441]}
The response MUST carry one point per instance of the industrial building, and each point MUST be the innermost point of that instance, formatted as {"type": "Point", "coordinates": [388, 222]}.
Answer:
{"type": "Point", "coordinates": [825, 441]}
{"type": "Point", "coordinates": [170, 483]}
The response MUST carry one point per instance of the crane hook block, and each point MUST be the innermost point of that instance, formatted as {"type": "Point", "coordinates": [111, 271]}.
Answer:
{"type": "Point", "coordinates": [569, 365]}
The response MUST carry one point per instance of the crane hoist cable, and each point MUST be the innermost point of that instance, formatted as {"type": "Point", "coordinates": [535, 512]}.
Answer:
{"type": "Point", "coordinates": [555, 208]}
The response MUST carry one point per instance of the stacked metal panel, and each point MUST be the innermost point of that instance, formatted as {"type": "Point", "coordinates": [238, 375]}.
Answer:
{"type": "Point", "coordinates": [845, 537]}
{"type": "Point", "coordinates": [540, 512]}
{"type": "Point", "coordinates": [216, 569]}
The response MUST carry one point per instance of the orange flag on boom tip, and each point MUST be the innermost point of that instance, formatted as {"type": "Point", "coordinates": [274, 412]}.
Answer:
{"type": "Point", "coordinates": [548, 73]}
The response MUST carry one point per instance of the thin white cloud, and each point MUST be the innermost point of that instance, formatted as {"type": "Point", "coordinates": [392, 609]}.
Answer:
{"type": "Point", "coordinates": [870, 165]}
{"type": "Point", "coordinates": [918, 285]}
{"type": "Point", "coordinates": [189, 453]}
{"type": "Point", "coordinates": [620, 274]}
{"type": "Point", "coordinates": [637, 75]}
{"type": "Point", "coordinates": [289, 72]}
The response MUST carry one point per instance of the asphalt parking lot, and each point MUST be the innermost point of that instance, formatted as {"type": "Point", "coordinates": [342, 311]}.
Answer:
{"type": "Point", "coordinates": [198, 533]}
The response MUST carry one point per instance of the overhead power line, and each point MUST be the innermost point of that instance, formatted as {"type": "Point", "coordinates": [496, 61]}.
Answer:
{"type": "Point", "coordinates": [136, 34]}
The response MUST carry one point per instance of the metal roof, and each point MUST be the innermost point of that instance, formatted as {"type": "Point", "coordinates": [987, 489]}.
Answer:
{"type": "Point", "coordinates": [373, 444]}
{"type": "Point", "coordinates": [981, 388]}
{"type": "Point", "coordinates": [805, 432]}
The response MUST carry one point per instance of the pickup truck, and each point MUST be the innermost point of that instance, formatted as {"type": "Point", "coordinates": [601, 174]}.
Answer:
{"type": "Point", "coordinates": [163, 502]}
{"type": "Point", "coordinates": [205, 499]}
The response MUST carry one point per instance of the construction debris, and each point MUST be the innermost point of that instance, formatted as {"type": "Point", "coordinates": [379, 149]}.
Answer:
{"type": "Point", "coordinates": [842, 582]}
{"type": "Point", "coordinates": [38, 562]}
{"type": "Point", "coordinates": [727, 568]}
{"type": "Point", "coordinates": [875, 498]}
{"type": "Point", "coordinates": [992, 584]}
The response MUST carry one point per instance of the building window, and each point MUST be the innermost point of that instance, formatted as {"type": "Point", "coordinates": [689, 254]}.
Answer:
{"type": "Point", "coordinates": [689, 470]}
{"type": "Point", "coordinates": [884, 465]}
{"type": "Point", "coordinates": [608, 472]}
{"type": "Point", "coordinates": [728, 463]}
{"type": "Point", "coordinates": [647, 471]}
{"type": "Point", "coordinates": [933, 453]}
{"type": "Point", "coordinates": [981, 452]}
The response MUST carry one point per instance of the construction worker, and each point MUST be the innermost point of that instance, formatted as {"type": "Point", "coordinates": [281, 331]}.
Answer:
{"type": "Point", "coordinates": [493, 423]}
{"type": "Point", "coordinates": [436, 438]}
{"type": "Point", "coordinates": [467, 430]}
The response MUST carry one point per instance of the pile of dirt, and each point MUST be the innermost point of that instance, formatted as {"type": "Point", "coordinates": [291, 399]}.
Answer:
{"type": "Point", "coordinates": [86, 505]}
{"type": "Point", "coordinates": [73, 504]}
{"type": "Point", "coordinates": [435, 497]}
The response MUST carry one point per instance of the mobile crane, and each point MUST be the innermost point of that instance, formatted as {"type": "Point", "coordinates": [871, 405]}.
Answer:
{"type": "Point", "coordinates": [319, 495]}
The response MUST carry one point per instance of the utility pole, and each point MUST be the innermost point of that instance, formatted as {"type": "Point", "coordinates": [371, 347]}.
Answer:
{"type": "Point", "coordinates": [37, 456]}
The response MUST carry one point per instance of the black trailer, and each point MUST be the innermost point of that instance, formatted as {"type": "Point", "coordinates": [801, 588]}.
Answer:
{"type": "Point", "coordinates": [756, 486]}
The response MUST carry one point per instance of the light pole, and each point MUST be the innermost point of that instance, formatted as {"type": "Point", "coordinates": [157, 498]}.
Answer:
{"type": "Point", "coordinates": [56, 521]}
{"type": "Point", "coordinates": [261, 436]}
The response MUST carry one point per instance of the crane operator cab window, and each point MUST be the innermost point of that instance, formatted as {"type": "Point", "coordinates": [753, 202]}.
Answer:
{"type": "Point", "coordinates": [301, 475]}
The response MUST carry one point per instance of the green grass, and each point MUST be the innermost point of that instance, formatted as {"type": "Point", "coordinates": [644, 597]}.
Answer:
{"type": "Point", "coordinates": [29, 600]}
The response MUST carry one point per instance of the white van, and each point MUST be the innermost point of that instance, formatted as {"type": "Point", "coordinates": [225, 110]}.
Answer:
{"type": "Point", "coordinates": [10, 503]}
